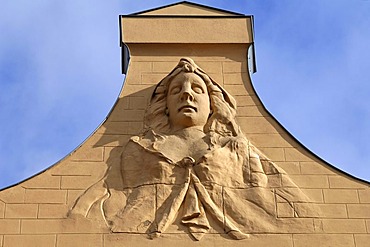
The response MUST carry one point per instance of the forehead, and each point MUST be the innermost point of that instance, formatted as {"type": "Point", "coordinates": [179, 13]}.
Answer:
{"type": "Point", "coordinates": [183, 77]}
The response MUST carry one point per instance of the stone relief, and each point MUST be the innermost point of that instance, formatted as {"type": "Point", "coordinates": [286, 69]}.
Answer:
{"type": "Point", "coordinates": [191, 169]}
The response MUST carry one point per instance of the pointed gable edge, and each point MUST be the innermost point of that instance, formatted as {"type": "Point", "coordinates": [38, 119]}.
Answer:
{"type": "Point", "coordinates": [204, 8]}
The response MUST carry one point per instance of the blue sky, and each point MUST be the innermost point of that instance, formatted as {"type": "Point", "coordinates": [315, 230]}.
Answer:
{"type": "Point", "coordinates": [60, 75]}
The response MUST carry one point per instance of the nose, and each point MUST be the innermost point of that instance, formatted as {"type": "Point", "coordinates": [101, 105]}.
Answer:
{"type": "Point", "coordinates": [186, 92]}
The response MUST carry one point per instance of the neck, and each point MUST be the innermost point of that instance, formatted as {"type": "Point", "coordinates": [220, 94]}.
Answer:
{"type": "Point", "coordinates": [193, 132]}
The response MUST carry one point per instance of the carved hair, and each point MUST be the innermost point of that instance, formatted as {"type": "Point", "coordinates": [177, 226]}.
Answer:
{"type": "Point", "coordinates": [223, 106]}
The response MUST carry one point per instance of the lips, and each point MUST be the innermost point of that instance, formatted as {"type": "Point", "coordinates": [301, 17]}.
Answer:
{"type": "Point", "coordinates": [188, 107]}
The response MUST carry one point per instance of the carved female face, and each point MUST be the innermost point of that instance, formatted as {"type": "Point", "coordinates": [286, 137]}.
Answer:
{"type": "Point", "coordinates": [187, 101]}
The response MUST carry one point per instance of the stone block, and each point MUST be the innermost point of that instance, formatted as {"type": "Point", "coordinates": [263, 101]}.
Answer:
{"type": "Point", "coordinates": [335, 240]}
{"type": "Point", "coordinates": [269, 140]}
{"type": "Point", "coordinates": [138, 103]}
{"type": "Point", "coordinates": [308, 181]}
{"type": "Point", "coordinates": [141, 67]}
{"type": "Point", "coordinates": [88, 153]}
{"type": "Point", "coordinates": [43, 181]}
{"type": "Point", "coordinates": [108, 140]}
{"type": "Point", "coordinates": [59, 226]}
{"type": "Point", "coordinates": [183, 240]}
{"type": "Point", "coordinates": [233, 79]}
{"type": "Point", "coordinates": [72, 196]}
{"type": "Point", "coordinates": [275, 181]}
{"type": "Point", "coordinates": [152, 79]}
{"type": "Point", "coordinates": [235, 89]}
{"type": "Point", "coordinates": [247, 100]}
{"type": "Point", "coordinates": [364, 195]}
{"type": "Point", "coordinates": [344, 226]}
{"type": "Point", "coordinates": [78, 182]}
{"type": "Point", "coordinates": [79, 168]}
{"type": "Point", "coordinates": [333, 211]}
{"type": "Point", "coordinates": [275, 154]}
{"type": "Point", "coordinates": [211, 67]}
{"type": "Point", "coordinates": [13, 195]}
{"type": "Point", "coordinates": [10, 226]}
{"type": "Point", "coordinates": [358, 211]}
{"type": "Point", "coordinates": [121, 128]}
{"type": "Point", "coordinates": [122, 104]}
{"type": "Point", "coordinates": [50, 211]}
{"type": "Point", "coordinates": [20, 211]}
{"type": "Point", "coordinates": [29, 240]}
{"type": "Point", "coordinates": [362, 240]}
{"type": "Point", "coordinates": [112, 153]}
{"type": "Point", "coordinates": [312, 168]}
{"type": "Point", "coordinates": [127, 116]}
{"type": "Point", "coordinates": [234, 67]}
{"type": "Point", "coordinates": [340, 196]}
{"type": "Point", "coordinates": [315, 195]}
{"type": "Point", "coordinates": [285, 210]}
{"type": "Point", "coordinates": [90, 240]}
{"type": "Point", "coordinates": [138, 90]}
{"type": "Point", "coordinates": [163, 67]}
{"type": "Point", "coordinates": [289, 167]}
{"type": "Point", "coordinates": [341, 182]}
{"type": "Point", "coordinates": [256, 125]}
{"type": "Point", "coordinates": [295, 154]}
{"type": "Point", "coordinates": [2, 209]}
{"type": "Point", "coordinates": [217, 77]}
{"type": "Point", "coordinates": [250, 111]}
{"type": "Point", "coordinates": [45, 196]}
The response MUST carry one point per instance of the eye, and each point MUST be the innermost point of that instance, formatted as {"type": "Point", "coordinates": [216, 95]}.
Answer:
{"type": "Point", "coordinates": [197, 89]}
{"type": "Point", "coordinates": [175, 90]}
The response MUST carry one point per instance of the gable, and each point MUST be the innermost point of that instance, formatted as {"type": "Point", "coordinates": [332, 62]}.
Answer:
{"type": "Point", "coordinates": [187, 8]}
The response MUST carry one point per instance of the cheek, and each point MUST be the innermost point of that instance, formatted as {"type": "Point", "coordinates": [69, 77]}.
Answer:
{"type": "Point", "coordinates": [171, 103]}
{"type": "Point", "coordinates": [204, 103]}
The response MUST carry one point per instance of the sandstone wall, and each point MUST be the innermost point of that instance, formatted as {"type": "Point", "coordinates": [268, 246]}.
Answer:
{"type": "Point", "coordinates": [35, 212]}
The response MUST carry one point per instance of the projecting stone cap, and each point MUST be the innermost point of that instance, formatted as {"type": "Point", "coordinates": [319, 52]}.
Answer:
{"type": "Point", "coordinates": [194, 23]}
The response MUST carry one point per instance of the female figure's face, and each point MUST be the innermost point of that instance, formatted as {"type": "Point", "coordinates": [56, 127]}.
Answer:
{"type": "Point", "coordinates": [187, 101]}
